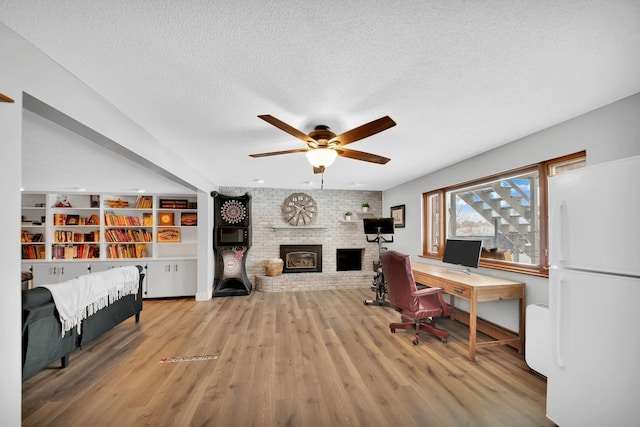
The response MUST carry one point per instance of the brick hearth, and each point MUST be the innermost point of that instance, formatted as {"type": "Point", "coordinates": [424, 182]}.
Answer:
{"type": "Point", "coordinates": [314, 281]}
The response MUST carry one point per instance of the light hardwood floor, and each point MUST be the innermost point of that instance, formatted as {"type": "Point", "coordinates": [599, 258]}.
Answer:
{"type": "Point", "coordinates": [318, 358]}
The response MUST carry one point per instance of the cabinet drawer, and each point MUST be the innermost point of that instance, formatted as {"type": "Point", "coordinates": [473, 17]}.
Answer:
{"type": "Point", "coordinates": [459, 291]}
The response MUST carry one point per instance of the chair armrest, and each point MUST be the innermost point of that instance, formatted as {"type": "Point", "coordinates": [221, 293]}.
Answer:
{"type": "Point", "coordinates": [426, 291]}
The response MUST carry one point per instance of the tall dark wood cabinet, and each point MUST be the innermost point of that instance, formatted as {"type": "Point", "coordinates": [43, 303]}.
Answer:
{"type": "Point", "coordinates": [231, 243]}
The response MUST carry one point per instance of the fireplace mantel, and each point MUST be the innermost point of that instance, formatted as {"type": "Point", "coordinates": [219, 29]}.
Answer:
{"type": "Point", "coordinates": [299, 227]}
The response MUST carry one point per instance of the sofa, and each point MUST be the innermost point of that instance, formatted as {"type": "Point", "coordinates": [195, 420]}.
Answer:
{"type": "Point", "coordinates": [43, 340]}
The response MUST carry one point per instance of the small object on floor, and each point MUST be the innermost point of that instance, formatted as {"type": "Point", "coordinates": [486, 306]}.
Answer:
{"type": "Point", "coordinates": [188, 358]}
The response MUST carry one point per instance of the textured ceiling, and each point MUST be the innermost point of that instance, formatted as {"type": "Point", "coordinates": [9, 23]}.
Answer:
{"type": "Point", "coordinates": [458, 77]}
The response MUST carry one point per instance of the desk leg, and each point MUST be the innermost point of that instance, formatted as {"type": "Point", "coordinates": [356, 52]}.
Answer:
{"type": "Point", "coordinates": [452, 303]}
{"type": "Point", "coordinates": [473, 305]}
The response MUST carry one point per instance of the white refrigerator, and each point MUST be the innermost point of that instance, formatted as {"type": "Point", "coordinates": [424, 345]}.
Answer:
{"type": "Point", "coordinates": [594, 296]}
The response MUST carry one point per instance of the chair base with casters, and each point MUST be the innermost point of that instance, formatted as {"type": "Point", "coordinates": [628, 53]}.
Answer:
{"type": "Point", "coordinates": [425, 325]}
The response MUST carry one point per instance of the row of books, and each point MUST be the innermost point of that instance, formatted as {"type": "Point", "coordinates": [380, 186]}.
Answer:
{"type": "Point", "coordinates": [33, 252]}
{"type": "Point", "coordinates": [27, 237]}
{"type": "Point", "coordinates": [75, 251]}
{"type": "Point", "coordinates": [128, 251]}
{"type": "Point", "coordinates": [114, 220]}
{"type": "Point", "coordinates": [144, 202]}
{"type": "Point", "coordinates": [61, 236]}
{"type": "Point", "coordinates": [70, 219]}
{"type": "Point", "coordinates": [130, 235]}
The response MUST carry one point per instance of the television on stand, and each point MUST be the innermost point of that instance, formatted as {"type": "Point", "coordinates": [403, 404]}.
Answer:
{"type": "Point", "coordinates": [463, 253]}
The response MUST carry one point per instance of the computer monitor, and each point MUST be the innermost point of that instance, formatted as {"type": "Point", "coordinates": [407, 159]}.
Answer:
{"type": "Point", "coordinates": [375, 225]}
{"type": "Point", "coordinates": [465, 253]}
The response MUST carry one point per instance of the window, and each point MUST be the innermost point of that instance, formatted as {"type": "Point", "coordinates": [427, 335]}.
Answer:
{"type": "Point", "coordinates": [507, 212]}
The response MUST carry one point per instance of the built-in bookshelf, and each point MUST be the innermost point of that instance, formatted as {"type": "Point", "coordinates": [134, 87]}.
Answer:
{"type": "Point", "coordinates": [125, 233]}
{"type": "Point", "coordinates": [74, 232]}
{"type": "Point", "coordinates": [33, 229]}
{"type": "Point", "coordinates": [108, 226]}
{"type": "Point", "coordinates": [176, 220]}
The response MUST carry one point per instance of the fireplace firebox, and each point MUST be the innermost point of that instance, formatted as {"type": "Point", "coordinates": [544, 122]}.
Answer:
{"type": "Point", "coordinates": [349, 259]}
{"type": "Point", "coordinates": [301, 258]}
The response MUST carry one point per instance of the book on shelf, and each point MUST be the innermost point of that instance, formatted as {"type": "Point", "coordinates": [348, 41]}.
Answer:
{"type": "Point", "coordinates": [93, 220]}
{"type": "Point", "coordinates": [72, 220]}
{"type": "Point", "coordinates": [144, 202]}
{"type": "Point", "coordinates": [141, 251]}
{"type": "Point", "coordinates": [59, 219]}
{"type": "Point", "coordinates": [33, 252]}
{"type": "Point", "coordinates": [189, 219]}
{"type": "Point", "coordinates": [174, 204]}
{"type": "Point", "coordinates": [147, 219]}
{"type": "Point", "coordinates": [75, 251]}
{"type": "Point", "coordinates": [27, 237]}
{"type": "Point", "coordinates": [116, 235]}
{"type": "Point", "coordinates": [113, 220]}
{"type": "Point", "coordinates": [127, 251]}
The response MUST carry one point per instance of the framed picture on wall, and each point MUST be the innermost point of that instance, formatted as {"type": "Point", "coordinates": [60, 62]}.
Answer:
{"type": "Point", "coordinates": [397, 213]}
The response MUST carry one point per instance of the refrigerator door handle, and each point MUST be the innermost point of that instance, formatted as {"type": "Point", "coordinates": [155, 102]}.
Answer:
{"type": "Point", "coordinates": [561, 232]}
{"type": "Point", "coordinates": [558, 325]}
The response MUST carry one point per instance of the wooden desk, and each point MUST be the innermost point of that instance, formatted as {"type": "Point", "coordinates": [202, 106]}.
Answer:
{"type": "Point", "coordinates": [475, 288]}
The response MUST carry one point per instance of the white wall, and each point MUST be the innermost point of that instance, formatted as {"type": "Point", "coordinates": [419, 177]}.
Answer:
{"type": "Point", "coordinates": [608, 133]}
{"type": "Point", "coordinates": [10, 307]}
{"type": "Point", "coordinates": [54, 159]}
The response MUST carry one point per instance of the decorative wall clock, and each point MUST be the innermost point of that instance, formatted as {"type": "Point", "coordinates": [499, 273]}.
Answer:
{"type": "Point", "coordinates": [233, 211]}
{"type": "Point", "coordinates": [299, 209]}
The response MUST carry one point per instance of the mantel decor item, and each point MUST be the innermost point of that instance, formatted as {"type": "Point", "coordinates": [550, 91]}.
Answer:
{"type": "Point", "coordinates": [347, 216]}
{"type": "Point", "coordinates": [365, 207]}
{"type": "Point", "coordinates": [397, 213]}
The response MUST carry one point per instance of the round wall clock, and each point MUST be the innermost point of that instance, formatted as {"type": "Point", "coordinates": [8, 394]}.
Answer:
{"type": "Point", "coordinates": [299, 209]}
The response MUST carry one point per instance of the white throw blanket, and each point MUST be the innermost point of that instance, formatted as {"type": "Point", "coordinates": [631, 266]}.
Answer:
{"type": "Point", "coordinates": [78, 298]}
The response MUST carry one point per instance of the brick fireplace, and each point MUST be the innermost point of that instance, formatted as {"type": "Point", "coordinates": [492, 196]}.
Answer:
{"type": "Point", "coordinates": [330, 230]}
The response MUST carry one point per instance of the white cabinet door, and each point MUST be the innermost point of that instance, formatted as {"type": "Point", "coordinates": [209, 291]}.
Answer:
{"type": "Point", "coordinates": [171, 278]}
{"type": "Point", "coordinates": [592, 218]}
{"type": "Point", "coordinates": [594, 369]}
{"type": "Point", "coordinates": [45, 273]}
{"type": "Point", "coordinates": [97, 267]}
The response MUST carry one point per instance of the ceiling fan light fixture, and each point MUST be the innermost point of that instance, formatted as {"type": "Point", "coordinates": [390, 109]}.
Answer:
{"type": "Point", "coordinates": [319, 157]}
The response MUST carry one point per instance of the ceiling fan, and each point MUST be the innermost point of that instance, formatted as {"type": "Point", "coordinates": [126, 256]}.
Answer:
{"type": "Point", "coordinates": [324, 146]}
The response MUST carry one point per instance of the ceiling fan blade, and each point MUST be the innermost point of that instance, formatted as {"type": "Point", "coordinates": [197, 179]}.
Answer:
{"type": "Point", "coordinates": [361, 155]}
{"type": "Point", "coordinates": [285, 127]}
{"type": "Point", "coordinates": [276, 153]}
{"type": "Point", "coordinates": [364, 131]}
